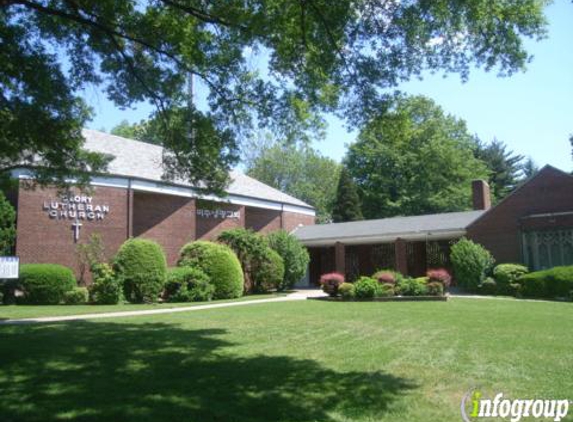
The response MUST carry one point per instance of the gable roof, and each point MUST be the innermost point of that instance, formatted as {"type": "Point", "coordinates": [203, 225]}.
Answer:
{"type": "Point", "coordinates": [135, 159]}
{"type": "Point", "coordinates": [432, 226]}
{"type": "Point", "coordinates": [546, 169]}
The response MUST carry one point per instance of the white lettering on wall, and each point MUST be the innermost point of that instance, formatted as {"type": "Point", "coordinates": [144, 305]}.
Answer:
{"type": "Point", "coordinates": [75, 207]}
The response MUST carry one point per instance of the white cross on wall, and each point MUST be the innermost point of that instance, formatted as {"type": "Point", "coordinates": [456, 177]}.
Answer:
{"type": "Point", "coordinates": [76, 227]}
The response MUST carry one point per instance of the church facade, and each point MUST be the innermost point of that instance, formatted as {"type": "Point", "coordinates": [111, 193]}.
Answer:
{"type": "Point", "coordinates": [134, 201]}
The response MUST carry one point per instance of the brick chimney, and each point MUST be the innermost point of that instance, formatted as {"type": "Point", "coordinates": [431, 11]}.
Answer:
{"type": "Point", "coordinates": [481, 195]}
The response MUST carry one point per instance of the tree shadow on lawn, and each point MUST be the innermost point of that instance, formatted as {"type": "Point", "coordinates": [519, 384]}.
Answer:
{"type": "Point", "coordinates": [86, 371]}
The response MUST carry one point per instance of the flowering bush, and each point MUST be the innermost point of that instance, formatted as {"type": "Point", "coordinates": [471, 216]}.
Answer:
{"type": "Point", "coordinates": [387, 276]}
{"type": "Point", "coordinates": [331, 282]}
{"type": "Point", "coordinates": [440, 275]}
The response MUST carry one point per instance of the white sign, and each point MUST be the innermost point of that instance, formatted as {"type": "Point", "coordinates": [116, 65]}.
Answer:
{"type": "Point", "coordinates": [219, 214]}
{"type": "Point", "coordinates": [75, 207]}
{"type": "Point", "coordinates": [9, 266]}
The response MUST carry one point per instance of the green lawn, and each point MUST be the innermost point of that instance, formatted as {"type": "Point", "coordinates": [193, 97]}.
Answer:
{"type": "Point", "coordinates": [290, 361]}
{"type": "Point", "coordinates": [35, 311]}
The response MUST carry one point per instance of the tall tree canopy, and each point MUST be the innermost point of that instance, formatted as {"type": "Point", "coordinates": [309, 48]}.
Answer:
{"type": "Point", "coordinates": [414, 159]}
{"type": "Point", "coordinates": [505, 167]}
{"type": "Point", "coordinates": [347, 203]}
{"type": "Point", "coordinates": [342, 56]}
{"type": "Point", "coordinates": [529, 168]}
{"type": "Point", "coordinates": [299, 171]}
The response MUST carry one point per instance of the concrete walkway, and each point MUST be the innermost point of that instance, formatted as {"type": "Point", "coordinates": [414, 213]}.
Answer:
{"type": "Point", "coordinates": [297, 295]}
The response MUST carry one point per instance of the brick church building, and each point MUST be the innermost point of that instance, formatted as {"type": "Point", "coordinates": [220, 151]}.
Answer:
{"type": "Point", "coordinates": [134, 201]}
{"type": "Point", "coordinates": [533, 225]}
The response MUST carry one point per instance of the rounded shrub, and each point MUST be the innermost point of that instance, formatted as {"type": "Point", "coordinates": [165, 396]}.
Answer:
{"type": "Point", "coordinates": [472, 262]}
{"type": "Point", "coordinates": [435, 288]}
{"type": "Point", "coordinates": [366, 288]}
{"type": "Point", "coordinates": [387, 276]}
{"type": "Point", "coordinates": [270, 271]}
{"type": "Point", "coordinates": [439, 275]}
{"type": "Point", "coordinates": [507, 274]}
{"type": "Point", "coordinates": [187, 284]}
{"type": "Point", "coordinates": [294, 255]}
{"type": "Point", "coordinates": [488, 287]}
{"type": "Point", "coordinates": [76, 296]}
{"type": "Point", "coordinates": [106, 288]}
{"type": "Point", "coordinates": [141, 267]}
{"type": "Point", "coordinates": [330, 282]}
{"type": "Point", "coordinates": [554, 283]}
{"type": "Point", "coordinates": [386, 290]}
{"type": "Point", "coordinates": [346, 291]}
{"type": "Point", "coordinates": [45, 284]}
{"type": "Point", "coordinates": [219, 262]}
{"type": "Point", "coordinates": [413, 286]}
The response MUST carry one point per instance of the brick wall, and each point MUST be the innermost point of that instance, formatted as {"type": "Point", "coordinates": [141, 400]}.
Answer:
{"type": "Point", "coordinates": [551, 191]}
{"type": "Point", "coordinates": [208, 228]}
{"type": "Point", "coordinates": [169, 220]}
{"type": "Point", "coordinates": [41, 239]}
{"type": "Point", "coordinates": [262, 220]}
{"type": "Point", "coordinates": [292, 220]}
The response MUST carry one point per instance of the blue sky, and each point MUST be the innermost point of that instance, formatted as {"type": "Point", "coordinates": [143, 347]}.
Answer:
{"type": "Point", "coordinates": [532, 112]}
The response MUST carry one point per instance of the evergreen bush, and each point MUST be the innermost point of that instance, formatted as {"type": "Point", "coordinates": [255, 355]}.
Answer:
{"type": "Point", "coordinates": [294, 254]}
{"type": "Point", "coordinates": [366, 288]}
{"type": "Point", "coordinates": [219, 262]}
{"type": "Point", "coordinates": [106, 288]}
{"type": "Point", "coordinates": [76, 296]}
{"type": "Point", "coordinates": [472, 263]}
{"type": "Point", "coordinates": [346, 291]}
{"type": "Point", "coordinates": [141, 267]}
{"type": "Point", "coordinates": [45, 284]}
{"type": "Point", "coordinates": [507, 274]}
{"type": "Point", "coordinates": [188, 284]}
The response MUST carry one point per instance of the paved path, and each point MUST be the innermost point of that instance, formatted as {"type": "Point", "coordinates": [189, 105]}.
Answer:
{"type": "Point", "coordinates": [297, 295]}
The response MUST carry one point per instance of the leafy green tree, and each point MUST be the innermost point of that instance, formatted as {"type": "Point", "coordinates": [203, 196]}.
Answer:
{"type": "Point", "coordinates": [529, 168]}
{"type": "Point", "coordinates": [414, 159]}
{"type": "Point", "coordinates": [342, 57]}
{"type": "Point", "coordinates": [504, 167]}
{"type": "Point", "coordinates": [299, 171]}
{"type": "Point", "coordinates": [136, 131]}
{"type": "Point", "coordinates": [7, 226]}
{"type": "Point", "coordinates": [347, 202]}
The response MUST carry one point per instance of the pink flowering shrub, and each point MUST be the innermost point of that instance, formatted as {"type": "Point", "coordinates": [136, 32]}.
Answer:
{"type": "Point", "coordinates": [440, 275]}
{"type": "Point", "coordinates": [331, 282]}
{"type": "Point", "coordinates": [387, 276]}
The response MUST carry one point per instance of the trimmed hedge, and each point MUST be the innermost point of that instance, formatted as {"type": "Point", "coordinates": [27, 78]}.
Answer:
{"type": "Point", "coordinates": [106, 288]}
{"type": "Point", "coordinates": [45, 284]}
{"type": "Point", "coordinates": [141, 267]}
{"type": "Point", "coordinates": [76, 296]}
{"type": "Point", "coordinates": [294, 254]}
{"type": "Point", "coordinates": [219, 262]}
{"type": "Point", "coordinates": [554, 283]}
{"type": "Point", "coordinates": [472, 263]}
{"type": "Point", "coordinates": [188, 284]}
{"type": "Point", "coordinates": [507, 274]}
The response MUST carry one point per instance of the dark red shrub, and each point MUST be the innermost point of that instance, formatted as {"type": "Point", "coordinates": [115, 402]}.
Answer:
{"type": "Point", "coordinates": [385, 277]}
{"type": "Point", "coordinates": [440, 275]}
{"type": "Point", "coordinates": [331, 282]}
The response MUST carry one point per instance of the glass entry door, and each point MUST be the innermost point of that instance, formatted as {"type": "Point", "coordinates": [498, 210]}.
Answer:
{"type": "Point", "coordinates": [548, 248]}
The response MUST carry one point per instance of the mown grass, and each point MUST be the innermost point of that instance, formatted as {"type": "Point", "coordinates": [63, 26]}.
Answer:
{"type": "Point", "coordinates": [37, 311]}
{"type": "Point", "coordinates": [290, 361]}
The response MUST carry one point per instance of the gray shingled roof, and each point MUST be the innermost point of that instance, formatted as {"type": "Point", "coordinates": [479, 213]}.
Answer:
{"type": "Point", "coordinates": [141, 160]}
{"type": "Point", "coordinates": [388, 227]}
